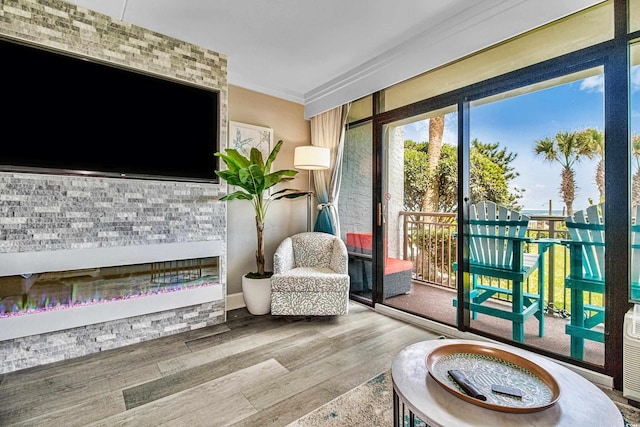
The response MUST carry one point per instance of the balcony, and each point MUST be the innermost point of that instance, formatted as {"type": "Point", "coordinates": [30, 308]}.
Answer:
{"type": "Point", "coordinates": [428, 240]}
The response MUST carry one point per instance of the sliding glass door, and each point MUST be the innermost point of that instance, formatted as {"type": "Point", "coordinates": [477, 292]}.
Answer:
{"type": "Point", "coordinates": [536, 220]}
{"type": "Point", "coordinates": [354, 209]}
{"type": "Point", "coordinates": [418, 206]}
{"type": "Point", "coordinates": [522, 155]}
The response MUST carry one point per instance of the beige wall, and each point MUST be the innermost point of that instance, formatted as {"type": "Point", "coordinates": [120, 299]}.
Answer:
{"type": "Point", "coordinates": [285, 217]}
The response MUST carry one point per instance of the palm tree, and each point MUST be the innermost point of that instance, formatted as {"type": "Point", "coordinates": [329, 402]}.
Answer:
{"type": "Point", "coordinates": [567, 149]}
{"type": "Point", "coordinates": [595, 138]}
{"type": "Point", "coordinates": [434, 150]}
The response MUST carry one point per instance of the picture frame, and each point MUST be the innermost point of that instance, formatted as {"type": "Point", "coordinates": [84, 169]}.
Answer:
{"type": "Point", "coordinates": [243, 137]}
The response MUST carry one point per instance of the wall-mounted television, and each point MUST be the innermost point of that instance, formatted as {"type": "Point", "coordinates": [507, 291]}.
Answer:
{"type": "Point", "coordinates": [70, 115]}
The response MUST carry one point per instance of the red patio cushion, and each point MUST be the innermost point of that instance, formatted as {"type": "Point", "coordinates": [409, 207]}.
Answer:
{"type": "Point", "coordinates": [360, 240]}
{"type": "Point", "coordinates": [396, 265]}
{"type": "Point", "coordinates": [363, 241]}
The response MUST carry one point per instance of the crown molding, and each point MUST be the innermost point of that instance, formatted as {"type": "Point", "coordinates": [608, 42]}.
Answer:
{"type": "Point", "coordinates": [282, 93]}
{"type": "Point", "coordinates": [474, 29]}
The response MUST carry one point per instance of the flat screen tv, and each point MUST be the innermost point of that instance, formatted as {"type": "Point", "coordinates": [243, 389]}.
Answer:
{"type": "Point", "coordinates": [68, 115]}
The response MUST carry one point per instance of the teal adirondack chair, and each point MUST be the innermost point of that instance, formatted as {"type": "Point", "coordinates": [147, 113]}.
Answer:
{"type": "Point", "coordinates": [497, 237]}
{"type": "Point", "coordinates": [586, 254]}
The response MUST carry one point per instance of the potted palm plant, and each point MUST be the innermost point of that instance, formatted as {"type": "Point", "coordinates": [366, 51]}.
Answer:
{"type": "Point", "coordinates": [253, 176]}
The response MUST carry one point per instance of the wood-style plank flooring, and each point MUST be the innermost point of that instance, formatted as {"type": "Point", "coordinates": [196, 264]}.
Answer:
{"type": "Point", "coordinates": [250, 371]}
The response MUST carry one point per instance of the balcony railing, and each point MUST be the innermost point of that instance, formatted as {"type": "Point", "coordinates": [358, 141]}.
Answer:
{"type": "Point", "coordinates": [429, 242]}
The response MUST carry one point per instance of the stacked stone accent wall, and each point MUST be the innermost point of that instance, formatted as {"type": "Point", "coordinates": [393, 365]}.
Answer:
{"type": "Point", "coordinates": [52, 212]}
{"type": "Point", "coordinates": [36, 350]}
{"type": "Point", "coordinates": [41, 212]}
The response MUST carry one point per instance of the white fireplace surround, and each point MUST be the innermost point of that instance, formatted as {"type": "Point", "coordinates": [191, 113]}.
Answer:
{"type": "Point", "coordinates": [48, 261]}
{"type": "Point", "coordinates": [57, 320]}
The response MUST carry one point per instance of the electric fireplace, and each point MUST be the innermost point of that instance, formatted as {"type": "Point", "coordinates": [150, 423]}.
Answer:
{"type": "Point", "coordinates": [42, 292]}
{"type": "Point", "coordinates": [29, 293]}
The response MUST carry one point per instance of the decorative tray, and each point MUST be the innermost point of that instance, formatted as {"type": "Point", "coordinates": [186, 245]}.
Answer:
{"type": "Point", "coordinates": [485, 366]}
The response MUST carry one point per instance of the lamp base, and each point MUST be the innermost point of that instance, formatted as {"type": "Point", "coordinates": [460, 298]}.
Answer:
{"type": "Point", "coordinates": [309, 194]}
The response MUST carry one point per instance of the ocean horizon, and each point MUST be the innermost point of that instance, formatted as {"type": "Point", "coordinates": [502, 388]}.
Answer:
{"type": "Point", "coordinates": [542, 211]}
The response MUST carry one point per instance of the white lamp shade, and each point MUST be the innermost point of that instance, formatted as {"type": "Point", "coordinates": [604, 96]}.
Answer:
{"type": "Point", "coordinates": [311, 157]}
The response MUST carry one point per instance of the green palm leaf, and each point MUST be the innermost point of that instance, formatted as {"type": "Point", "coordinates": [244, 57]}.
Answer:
{"type": "Point", "coordinates": [253, 176]}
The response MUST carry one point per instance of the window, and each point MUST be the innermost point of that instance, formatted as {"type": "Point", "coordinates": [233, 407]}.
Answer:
{"type": "Point", "coordinates": [575, 32]}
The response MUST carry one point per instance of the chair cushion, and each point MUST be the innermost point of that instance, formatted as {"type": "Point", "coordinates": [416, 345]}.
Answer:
{"type": "Point", "coordinates": [395, 265]}
{"type": "Point", "coordinates": [312, 250]}
{"type": "Point", "coordinates": [360, 242]}
{"type": "Point", "coordinates": [310, 279]}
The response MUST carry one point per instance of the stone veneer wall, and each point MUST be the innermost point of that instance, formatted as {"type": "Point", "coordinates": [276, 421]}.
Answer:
{"type": "Point", "coordinates": [54, 212]}
{"type": "Point", "coordinates": [39, 349]}
{"type": "Point", "coordinates": [49, 212]}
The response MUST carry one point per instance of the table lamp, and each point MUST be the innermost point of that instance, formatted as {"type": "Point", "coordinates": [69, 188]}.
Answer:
{"type": "Point", "coordinates": [311, 157]}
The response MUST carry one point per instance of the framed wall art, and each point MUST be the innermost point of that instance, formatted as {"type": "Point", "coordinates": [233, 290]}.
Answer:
{"type": "Point", "coordinates": [243, 137]}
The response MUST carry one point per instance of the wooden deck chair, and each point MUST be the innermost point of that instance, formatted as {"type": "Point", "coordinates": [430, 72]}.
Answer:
{"type": "Point", "coordinates": [497, 237]}
{"type": "Point", "coordinates": [586, 274]}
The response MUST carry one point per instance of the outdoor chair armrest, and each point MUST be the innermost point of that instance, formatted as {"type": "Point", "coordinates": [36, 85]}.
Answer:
{"type": "Point", "coordinates": [497, 237]}
{"type": "Point", "coordinates": [569, 242]}
{"type": "Point", "coordinates": [546, 242]}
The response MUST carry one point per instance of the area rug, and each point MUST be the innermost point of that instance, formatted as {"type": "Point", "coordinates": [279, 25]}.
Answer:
{"type": "Point", "coordinates": [371, 404]}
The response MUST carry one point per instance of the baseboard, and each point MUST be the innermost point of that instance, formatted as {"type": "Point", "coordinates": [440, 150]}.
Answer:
{"type": "Point", "coordinates": [436, 327]}
{"type": "Point", "coordinates": [595, 377]}
{"type": "Point", "coordinates": [235, 301]}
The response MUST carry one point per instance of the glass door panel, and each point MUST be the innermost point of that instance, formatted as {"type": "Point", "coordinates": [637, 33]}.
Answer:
{"type": "Point", "coordinates": [419, 206]}
{"type": "Point", "coordinates": [537, 170]}
{"type": "Point", "coordinates": [634, 290]}
{"type": "Point", "coordinates": [354, 208]}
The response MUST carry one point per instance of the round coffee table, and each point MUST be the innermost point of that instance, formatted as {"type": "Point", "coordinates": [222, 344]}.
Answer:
{"type": "Point", "coordinates": [417, 394]}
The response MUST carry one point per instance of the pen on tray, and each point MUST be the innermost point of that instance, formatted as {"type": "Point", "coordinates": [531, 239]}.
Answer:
{"type": "Point", "coordinates": [466, 385]}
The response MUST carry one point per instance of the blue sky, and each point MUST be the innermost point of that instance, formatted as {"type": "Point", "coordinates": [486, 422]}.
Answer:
{"type": "Point", "coordinates": [516, 123]}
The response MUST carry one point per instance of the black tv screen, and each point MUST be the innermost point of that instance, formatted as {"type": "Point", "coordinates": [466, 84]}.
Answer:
{"type": "Point", "coordinates": [64, 114]}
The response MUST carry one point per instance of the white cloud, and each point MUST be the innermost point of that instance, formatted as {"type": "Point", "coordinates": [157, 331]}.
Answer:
{"type": "Point", "coordinates": [593, 84]}
{"type": "Point", "coordinates": [635, 79]}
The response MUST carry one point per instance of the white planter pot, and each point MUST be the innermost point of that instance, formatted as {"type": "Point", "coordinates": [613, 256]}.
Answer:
{"type": "Point", "coordinates": [257, 295]}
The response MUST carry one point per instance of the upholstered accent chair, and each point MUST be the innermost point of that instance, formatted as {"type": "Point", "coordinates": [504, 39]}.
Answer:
{"type": "Point", "coordinates": [310, 276]}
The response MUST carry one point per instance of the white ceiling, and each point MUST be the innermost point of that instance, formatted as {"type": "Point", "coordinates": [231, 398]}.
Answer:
{"type": "Point", "coordinates": [322, 53]}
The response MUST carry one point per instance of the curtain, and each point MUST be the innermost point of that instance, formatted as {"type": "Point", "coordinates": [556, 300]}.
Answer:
{"type": "Point", "coordinates": [327, 130]}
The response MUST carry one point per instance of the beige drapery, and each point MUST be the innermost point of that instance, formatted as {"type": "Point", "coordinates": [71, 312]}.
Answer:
{"type": "Point", "coordinates": [327, 130]}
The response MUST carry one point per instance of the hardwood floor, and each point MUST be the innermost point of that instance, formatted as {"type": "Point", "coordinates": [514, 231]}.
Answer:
{"type": "Point", "coordinates": [250, 371]}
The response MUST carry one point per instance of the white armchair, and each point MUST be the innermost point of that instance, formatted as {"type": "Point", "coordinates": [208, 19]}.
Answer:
{"type": "Point", "coordinates": [310, 276]}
